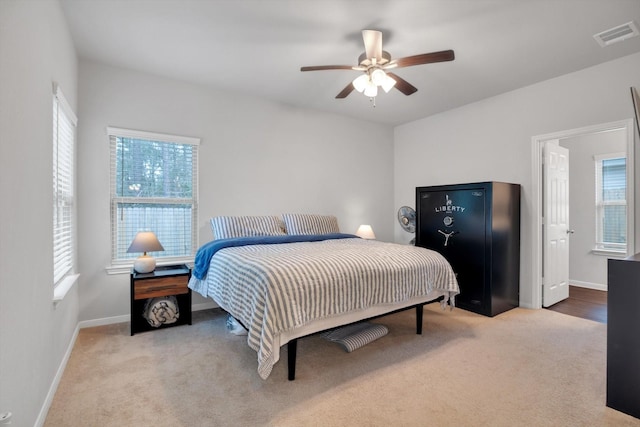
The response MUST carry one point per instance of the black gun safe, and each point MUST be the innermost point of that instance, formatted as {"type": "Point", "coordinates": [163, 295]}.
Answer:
{"type": "Point", "coordinates": [476, 227]}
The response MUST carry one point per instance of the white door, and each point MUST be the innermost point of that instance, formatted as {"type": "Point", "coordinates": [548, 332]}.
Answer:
{"type": "Point", "coordinates": [555, 281]}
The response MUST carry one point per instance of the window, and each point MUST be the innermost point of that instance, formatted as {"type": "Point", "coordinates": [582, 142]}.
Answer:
{"type": "Point", "coordinates": [611, 202]}
{"type": "Point", "coordinates": [64, 131]}
{"type": "Point", "coordinates": [154, 187]}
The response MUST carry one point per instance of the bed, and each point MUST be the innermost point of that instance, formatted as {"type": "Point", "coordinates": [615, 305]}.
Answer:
{"type": "Point", "coordinates": [299, 275]}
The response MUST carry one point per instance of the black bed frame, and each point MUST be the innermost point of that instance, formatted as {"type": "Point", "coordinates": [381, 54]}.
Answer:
{"type": "Point", "coordinates": [292, 346]}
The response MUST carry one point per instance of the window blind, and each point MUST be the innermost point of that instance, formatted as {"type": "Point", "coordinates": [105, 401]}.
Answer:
{"type": "Point", "coordinates": [64, 125]}
{"type": "Point", "coordinates": [611, 203]}
{"type": "Point", "coordinates": [614, 179]}
{"type": "Point", "coordinates": [154, 187]}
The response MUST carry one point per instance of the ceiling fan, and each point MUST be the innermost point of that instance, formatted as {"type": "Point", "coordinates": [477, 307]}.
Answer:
{"type": "Point", "coordinates": [375, 62]}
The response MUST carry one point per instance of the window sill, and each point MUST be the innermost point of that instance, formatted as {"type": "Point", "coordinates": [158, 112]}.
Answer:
{"type": "Point", "coordinates": [119, 269]}
{"type": "Point", "coordinates": [126, 268]}
{"type": "Point", "coordinates": [609, 253]}
{"type": "Point", "coordinates": [62, 288]}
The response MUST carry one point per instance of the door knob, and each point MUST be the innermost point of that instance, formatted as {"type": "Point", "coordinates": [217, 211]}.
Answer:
{"type": "Point", "coordinates": [571, 231]}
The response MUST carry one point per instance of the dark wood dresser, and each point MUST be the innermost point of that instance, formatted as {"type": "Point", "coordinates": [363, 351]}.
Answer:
{"type": "Point", "coordinates": [623, 335]}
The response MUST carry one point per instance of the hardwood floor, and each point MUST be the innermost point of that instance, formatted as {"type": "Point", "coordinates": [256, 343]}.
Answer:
{"type": "Point", "coordinates": [585, 303]}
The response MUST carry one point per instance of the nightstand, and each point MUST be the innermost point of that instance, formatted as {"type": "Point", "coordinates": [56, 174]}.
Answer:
{"type": "Point", "coordinates": [164, 281]}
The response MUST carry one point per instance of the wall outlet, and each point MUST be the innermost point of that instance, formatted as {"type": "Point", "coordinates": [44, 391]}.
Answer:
{"type": "Point", "coordinates": [5, 418]}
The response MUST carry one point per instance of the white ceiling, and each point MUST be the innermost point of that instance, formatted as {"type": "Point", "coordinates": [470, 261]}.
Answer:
{"type": "Point", "coordinates": [258, 46]}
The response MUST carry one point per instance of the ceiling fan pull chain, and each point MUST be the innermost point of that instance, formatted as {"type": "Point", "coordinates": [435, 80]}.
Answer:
{"type": "Point", "coordinates": [373, 100]}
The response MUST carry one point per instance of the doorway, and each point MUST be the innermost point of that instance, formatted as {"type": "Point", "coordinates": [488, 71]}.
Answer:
{"type": "Point", "coordinates": [538, 144]}
{"type": "Point", "coordinates": [585, 303]}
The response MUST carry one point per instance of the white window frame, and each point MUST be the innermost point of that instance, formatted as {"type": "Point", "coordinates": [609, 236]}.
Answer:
{"type": "Point", "coordinates": [600, 246]}
{"type": "Point", "coordinates": [120, 266]}
{"type": "Point", "coordinates": [63, 210]}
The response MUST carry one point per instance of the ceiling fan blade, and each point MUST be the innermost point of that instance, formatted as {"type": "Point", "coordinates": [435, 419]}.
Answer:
{"type": "Point", "coordinates": [425, 58]}
{"type": "Point", "coordinates": [345, 92]}
{"type": "Point", "coordinates": [372, 44]}
{"type": "Point", "coordinates": [402, 85]}
{"type": "Point", "coordinates": [326, 67]}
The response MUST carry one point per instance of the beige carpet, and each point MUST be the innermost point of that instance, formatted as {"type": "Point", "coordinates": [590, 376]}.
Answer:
{"type": "Point", "coordinates": [522, 368]}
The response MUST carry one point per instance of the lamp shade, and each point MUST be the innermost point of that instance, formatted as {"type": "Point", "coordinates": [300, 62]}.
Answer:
{"type": "Point", "coordinates": [378, 76]}
{"type": "Point", "coordinates": [387, 83]}
{"type": "Point", "coordinates": [145, 241]}
{"type": "Point", "coordinates": [366, 232]}
{"type": "Point", "coordinates": [371, 90]}
{"type": "Point", "coordinates": [360, 83]}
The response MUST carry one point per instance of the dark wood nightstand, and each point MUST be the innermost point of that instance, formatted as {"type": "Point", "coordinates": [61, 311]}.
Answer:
{"type": "Point", "coordinates": [164, 281]}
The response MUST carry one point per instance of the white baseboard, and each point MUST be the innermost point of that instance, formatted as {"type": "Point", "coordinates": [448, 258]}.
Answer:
{"type": "Point", "coordinates": [127, 317]}
{"type": "Point", "coordinates": [589, 285]}
{"type": "Point", "coordinates": [44, 410]}
{"type": "Point", "coordinates": [104, 321]}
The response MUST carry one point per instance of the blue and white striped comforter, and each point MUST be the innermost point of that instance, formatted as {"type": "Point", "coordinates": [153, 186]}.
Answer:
{"type": "Point", "coordinates": [278, 287]}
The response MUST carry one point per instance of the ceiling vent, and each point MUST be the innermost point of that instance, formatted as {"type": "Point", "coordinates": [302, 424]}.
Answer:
{"type": "Point", "coordinates": [617, 34]}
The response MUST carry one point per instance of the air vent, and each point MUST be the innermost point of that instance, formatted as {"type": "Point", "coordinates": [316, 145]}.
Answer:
{"type": "Point", "coordinates": [617, 34]}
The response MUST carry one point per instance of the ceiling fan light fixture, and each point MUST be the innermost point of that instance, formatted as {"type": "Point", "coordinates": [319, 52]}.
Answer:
{"type": "Point", "coordinates": [388, 83]}
{"type": "Point", "coordinates": [360, 83]}
{"type": "Point", "coordinates": [371, 91]}
{"type": "Point", "coordinates": [378, 76]}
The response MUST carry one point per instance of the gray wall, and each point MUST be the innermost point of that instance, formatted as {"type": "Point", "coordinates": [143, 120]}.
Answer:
{"type": "Point", "coordinates": [255, 158]}
{"type": "Point", "coordinates": [35, 49]}
{"type": "Point", "coordinates": [490, 140]}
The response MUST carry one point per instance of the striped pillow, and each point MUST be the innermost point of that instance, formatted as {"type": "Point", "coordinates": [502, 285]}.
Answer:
{"type": "Point", "coordinates": [354, 336]}
{"type": "Point", "coordinates": [310, 224]}
{"type": "Point", "coordinates": [227, 227]}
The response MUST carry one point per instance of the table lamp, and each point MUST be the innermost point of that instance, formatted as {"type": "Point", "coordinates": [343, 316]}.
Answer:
{"type": "Point", "coordinates": [145, 241]}
{"type": "Point", "coordinates": [366, 232]}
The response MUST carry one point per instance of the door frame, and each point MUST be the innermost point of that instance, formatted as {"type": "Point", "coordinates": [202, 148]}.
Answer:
{"type": "Point", "coordinates": [537, 145]}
